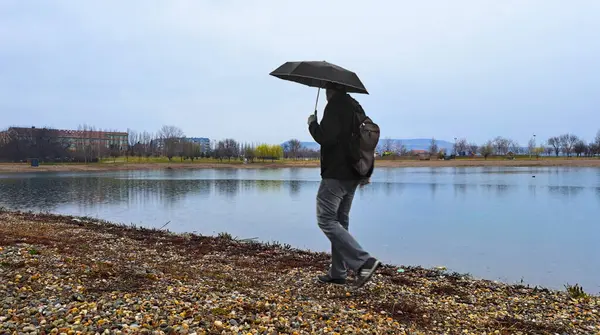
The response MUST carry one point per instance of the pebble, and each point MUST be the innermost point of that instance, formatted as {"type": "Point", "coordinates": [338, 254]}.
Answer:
{"type": "Point", "coordinates": [201, 285]}
{"type": "Point", "coordinates": [28, 329]}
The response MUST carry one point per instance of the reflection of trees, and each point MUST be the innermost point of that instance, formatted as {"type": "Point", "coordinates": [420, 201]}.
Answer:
{"type": "Point", "coordinates": [433, 187]}
{"type": "Point", "coordinates": [376, 187]}
{"type": "Point", "coordinates": [533, 190]}
{"type": "Point", "coordinates": [500, 189]}
{"type": "Point", "coordinates": [566, 191]}
{"type": "Point", "coordinates": [227, 187]}
{"type": "Point", "coordinates": [295, 187]}
{"type": "Point", "coordinates": [460, 189]}
{"type": "Point", "coordinates": [268, 185]}
{"type": "Point", "coordinates": [48, 193]}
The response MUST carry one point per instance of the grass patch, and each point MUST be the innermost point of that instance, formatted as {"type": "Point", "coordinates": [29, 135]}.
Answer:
{"type": "Point", "coordinates": [576, 291]}
{"type": "Point", "coordinates": [225, 236]}
{"type": "Point", "coordinates": [177, 159]}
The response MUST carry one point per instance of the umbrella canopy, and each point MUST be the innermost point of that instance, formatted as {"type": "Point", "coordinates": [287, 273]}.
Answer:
{"type": "Point", "coordinates": [319, 74]}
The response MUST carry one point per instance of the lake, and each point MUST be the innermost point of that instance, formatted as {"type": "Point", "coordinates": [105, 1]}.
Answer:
{"type": "Point", "coordinates": [539, 225]}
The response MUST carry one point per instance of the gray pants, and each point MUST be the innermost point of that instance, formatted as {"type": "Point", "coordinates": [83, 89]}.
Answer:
{"type": "Point", "coordinates": [334, 200]}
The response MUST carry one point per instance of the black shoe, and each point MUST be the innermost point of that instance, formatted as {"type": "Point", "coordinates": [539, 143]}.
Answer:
{"type": "Point", "coordinates": [366, 271]}
{"type": "Point", "coordinates": [326, 279]}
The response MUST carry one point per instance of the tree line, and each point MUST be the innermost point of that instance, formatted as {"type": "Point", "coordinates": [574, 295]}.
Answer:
{"type": "Point", "coordinates": [566, 145]}
{"type": "Point", "coordinates": [170, 141]}
{"type": "Point", "coordinates": [49, 145]}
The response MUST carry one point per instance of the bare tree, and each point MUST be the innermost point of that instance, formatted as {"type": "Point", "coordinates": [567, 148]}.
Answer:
{"type": "Point", "coordinates": [387, 145]}
{"type": "Point", "coordinates": [461, 146]}
{"type": "Point", "coordinates": [487, 149]}
{"type": "Point", "coordinates": [473, 148]}
{"type": "Point", "coordinates": [170, 137]}
{"type": "Point", "coordinates": [501, 145]}
{"type": "Point", "coordinates": [554, 142]}
{"type": "Point", "coordinates": [191, 150]}
{"type": "Point", "coordinates": [132, 140]}
{"type": "Point", "coordinates": [594, 149]}
{"type": "Point", "coordinates": [580, 148]}
{"type": "Point", "coordinates": [6, 136]}
{"type": "Point", "coordinates": [227, 148]}
{"type": "Point", "coordinates": [567, 142]}
{"type": "Point", "coordinates": [399, 149]}
{"type": "Point", "coordinates": [548, 150]}
{"type": "Point", "coordinates": [531, 147]}
{"type": "Point", "coordinates": [231, 148]}
{"type": "Point", "coordinates": [514, 147]}
{"type": "Point", "coordinates": [147, 144]}
{"type": "Point", "coordinates": [115, 152]}
{"type": "Point", "coordinates": [292, 148]}
{"type": "Point", "coordinates": [84, 145]}
{"type": "Point", "coordinates": [433, 147]}
{"type": "Point", "coordinates": [590, 149]}
{"type": "Point", "coordinates": [249, 152]}
{"type": "Point", "coordinates": [538, 151]}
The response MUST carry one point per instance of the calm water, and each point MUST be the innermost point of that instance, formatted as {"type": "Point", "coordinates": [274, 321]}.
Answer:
{"type": "Point", "coordinates": [496, 223]}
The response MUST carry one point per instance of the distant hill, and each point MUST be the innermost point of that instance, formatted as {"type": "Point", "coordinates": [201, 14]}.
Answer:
{"type": "Point", "coordinates": [410, 144]}
{"type": "Point", "coordinates": [310, 145]}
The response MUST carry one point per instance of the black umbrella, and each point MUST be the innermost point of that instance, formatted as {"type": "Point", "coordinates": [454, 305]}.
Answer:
{"type": "Point", "coordinates": [319, 74]}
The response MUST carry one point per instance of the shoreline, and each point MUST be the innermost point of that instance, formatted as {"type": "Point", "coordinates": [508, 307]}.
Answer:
{"type": "Point", "coordinates": [400, 163]}
{"type": "Point", "coordinates": [143, 281]}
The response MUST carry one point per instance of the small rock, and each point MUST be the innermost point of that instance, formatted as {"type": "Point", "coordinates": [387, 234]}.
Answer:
{"type": "Point", "coordinates": [218, 323]}
{"type": "Point", "coordinates": [233, 322]}
{"type": "Point", "coordinates": [77, 297]}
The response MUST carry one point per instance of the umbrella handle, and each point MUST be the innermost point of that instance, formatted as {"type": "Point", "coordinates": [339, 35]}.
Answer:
{"type": "Point", "coordinates": [317, 102]}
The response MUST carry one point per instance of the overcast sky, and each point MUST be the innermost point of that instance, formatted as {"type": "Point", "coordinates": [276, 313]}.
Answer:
{"type": "Point", "coordinates": [472, 68]}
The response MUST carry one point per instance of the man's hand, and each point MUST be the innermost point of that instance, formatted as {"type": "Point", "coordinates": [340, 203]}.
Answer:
{"type": "Point", "coordinates": [312, 118]}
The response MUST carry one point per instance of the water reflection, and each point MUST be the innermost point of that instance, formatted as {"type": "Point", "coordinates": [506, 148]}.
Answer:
{"type": "Point", "coordinates": [294, 188]}
{"type": "Point", "coordinates": [48, 193]}
{"type": "Point", "coordinates": [500, 190]}
{"type": "Point", "coordinates": [533, 191]}
{"type": "Point", "coordinates": [433, 188]}
{"type": "Point", "coordinates": [566, 191]}
{"type": "Point", "coordinates": [460, 190]}
{"type": "Point", "coordinates": [229, 188]}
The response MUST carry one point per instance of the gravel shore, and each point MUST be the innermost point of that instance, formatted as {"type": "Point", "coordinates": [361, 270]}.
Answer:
{"type": "Point", "coordinates": [66, 275]}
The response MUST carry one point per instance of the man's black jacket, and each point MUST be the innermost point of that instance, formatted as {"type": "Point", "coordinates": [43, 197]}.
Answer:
{"type": "Point", "coordinates": [334, 134]}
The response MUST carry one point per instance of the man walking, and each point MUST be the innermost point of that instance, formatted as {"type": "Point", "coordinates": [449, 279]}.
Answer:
{"type": "Point", "coordinates": [339, 181]}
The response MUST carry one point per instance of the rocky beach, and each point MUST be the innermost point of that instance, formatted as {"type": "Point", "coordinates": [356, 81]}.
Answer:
{"type": "Point", "coordinates": [71, 275]}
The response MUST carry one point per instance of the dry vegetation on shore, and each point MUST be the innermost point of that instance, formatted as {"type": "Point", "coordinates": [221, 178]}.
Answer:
{"type": "Point", "coordinates": [61, 274]}
{"type": "Point", "coordinates": [203, 164]}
